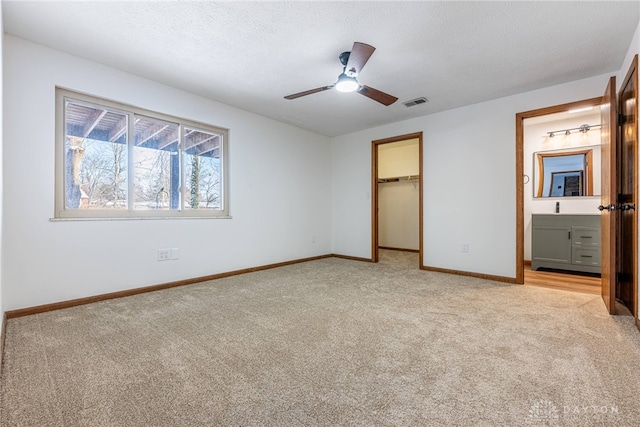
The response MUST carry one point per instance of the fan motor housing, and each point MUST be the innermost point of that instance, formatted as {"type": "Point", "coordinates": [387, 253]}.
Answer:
{"type": "Point", "coordinates": [344, 58]}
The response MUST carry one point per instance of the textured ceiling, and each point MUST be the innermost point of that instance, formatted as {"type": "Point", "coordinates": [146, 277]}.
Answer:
{"type": "Point", "coordinates": [251, 54]}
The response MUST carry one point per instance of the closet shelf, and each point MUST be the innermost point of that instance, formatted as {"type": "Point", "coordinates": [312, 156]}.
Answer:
{"type": "Point", "coordinates": [398, 178]}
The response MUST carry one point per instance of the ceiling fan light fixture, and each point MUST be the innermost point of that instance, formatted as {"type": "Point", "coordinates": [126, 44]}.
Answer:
{"type": "Point", "coordinates": [346, 83]}
{"type": "Point", "coordinates": [352, 62]}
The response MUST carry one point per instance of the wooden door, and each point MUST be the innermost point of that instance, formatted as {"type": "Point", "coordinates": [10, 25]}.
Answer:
{"type": "Point", "coordinates": [626, 290]}
{"type": "Point", "coordinates": [608, 198]}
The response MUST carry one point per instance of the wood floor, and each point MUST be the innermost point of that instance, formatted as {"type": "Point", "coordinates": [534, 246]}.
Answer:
{"type": "Point", "coordinates": [567, 282]}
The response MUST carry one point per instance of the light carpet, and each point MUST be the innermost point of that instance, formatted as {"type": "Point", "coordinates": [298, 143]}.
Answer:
{"type": "Point", "coordinates": [327, 342]}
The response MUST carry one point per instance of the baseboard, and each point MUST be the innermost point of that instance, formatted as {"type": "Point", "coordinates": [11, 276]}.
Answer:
{"type": "Point", "coordinates": [417, 251]}
{"type": "Point", "coordinates": [352, 258]}
{"type": "Point", "coordinates": [3, 333]}
{"type": "Point", "coordinates": [470, 274]}
{"type": "Point", "coordinates": [130, 292]}
{"type": "Point", "coordinates": [527, 262]}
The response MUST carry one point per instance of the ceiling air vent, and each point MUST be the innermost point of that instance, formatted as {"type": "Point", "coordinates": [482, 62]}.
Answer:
{"type": "Point", "coordinates": [415, 102]}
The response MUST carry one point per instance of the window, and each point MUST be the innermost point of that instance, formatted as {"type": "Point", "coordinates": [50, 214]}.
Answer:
{"type": "Point", "coordinates": [118, 161]}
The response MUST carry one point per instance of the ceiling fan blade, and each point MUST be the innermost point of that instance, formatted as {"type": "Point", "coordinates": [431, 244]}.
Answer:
{"type": "Point", "coordinates": [360, 54]}
{"type": "Point", "coordinates": [308, 92]}
{"type": "Point", "coordinates": [376, 95]}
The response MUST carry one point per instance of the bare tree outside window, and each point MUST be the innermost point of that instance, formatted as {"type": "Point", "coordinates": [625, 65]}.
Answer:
{"type": "Point", "coordinates": [95, 166]}
{"type": "Point", "coordinates": [103, 175]}
{"type": "Point", "coordinates": [203, 169]}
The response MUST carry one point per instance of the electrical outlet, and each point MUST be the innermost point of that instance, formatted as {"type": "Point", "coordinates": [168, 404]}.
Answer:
{"type": "Point", "coordinates": [464, 248]}
{"type": "Point", "coordinates": [175, 253]}
{"type": "Point", "coordinates": [164, 254]}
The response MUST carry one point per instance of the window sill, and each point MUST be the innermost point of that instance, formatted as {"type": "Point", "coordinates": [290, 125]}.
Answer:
{"type": "Point", "coordinates": [139, 218]}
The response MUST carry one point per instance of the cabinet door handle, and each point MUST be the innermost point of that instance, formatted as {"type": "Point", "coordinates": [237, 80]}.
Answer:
{"type": "Point", "coordinates": [569, 235]}
{"type": "Point", "coordinates": [586, 237]}
{"type": "Point", "coordinates": [586, 256]}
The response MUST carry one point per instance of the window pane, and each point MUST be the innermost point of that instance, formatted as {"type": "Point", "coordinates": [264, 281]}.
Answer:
{"type": "Point", "coordinates": [95, 157]}
{"type": "Point", "coordinates": [156, 165]}
{"type": "Point", "coordinates": [203, 172]}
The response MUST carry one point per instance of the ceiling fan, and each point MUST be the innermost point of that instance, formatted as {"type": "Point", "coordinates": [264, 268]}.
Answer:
{"type": "Point", "coordinates": [353, 63]}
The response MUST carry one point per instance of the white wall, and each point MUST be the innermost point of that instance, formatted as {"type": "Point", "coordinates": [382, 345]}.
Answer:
{"type": "Point", "coordinates": [399, 201]}
{"type": "Point", "coordinates": [399, 215]}
{"type": "Point", "coordinates": [280, 181]}
{"type": "Point", "coordinates": [536, 140]}
{"type": "Point", "coordinates": [469, 180]}
{"type": "Point", "coordinates": [399, 159]}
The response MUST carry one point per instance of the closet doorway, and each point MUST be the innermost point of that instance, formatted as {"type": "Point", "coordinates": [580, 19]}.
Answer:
{"type": "Point", "coordinates": [396, 195]}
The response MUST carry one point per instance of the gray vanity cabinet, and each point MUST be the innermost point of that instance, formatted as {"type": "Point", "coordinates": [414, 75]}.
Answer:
{"type": "Point", "coordinates": [566, 242]}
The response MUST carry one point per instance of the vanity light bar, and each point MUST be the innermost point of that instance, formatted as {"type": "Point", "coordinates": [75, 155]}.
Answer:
{"type": "Point", "coordinates": [584, 129]}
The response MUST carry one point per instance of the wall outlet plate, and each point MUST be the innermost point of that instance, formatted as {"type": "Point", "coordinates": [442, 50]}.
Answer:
{"type": "Point", "coordinates": [164, 254]}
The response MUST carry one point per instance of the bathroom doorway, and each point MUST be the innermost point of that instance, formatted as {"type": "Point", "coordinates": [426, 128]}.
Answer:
{"type": "Point", "coordinates": [614, 238]}
{"type": "Point", "coordinates": [559, 194]}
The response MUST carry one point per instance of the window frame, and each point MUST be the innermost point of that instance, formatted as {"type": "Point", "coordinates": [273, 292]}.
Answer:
{"type": "Point", "coordinates": [60, 209]}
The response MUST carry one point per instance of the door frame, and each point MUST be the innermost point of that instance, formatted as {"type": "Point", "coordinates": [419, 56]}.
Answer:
{"type": "Point", "coordinates": [374, 192]}
{"type": "Point", "coordinates": [591, 102]}
{"type": "Point", "coordinates": [609, 195]}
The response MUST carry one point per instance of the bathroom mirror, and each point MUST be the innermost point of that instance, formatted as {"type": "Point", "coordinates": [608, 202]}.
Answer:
{"type": "Point", "coordinates": [567, 173]}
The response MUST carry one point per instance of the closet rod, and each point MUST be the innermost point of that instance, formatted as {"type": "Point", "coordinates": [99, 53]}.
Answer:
{"type": "Point", "coordinates": [399, 178]}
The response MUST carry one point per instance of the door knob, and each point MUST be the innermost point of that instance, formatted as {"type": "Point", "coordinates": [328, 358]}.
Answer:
{"type": "Point", "coordinates": [609, 208]}
{"type": "Point", "coordinates": [628, 207]}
